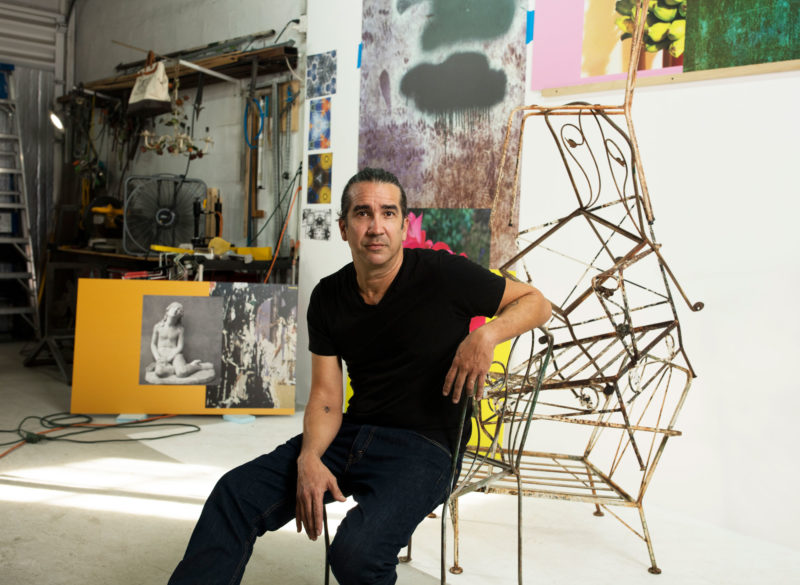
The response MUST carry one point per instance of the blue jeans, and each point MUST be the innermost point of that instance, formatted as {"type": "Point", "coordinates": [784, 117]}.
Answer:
{"type": "Point", "coordinates": [397, 477]}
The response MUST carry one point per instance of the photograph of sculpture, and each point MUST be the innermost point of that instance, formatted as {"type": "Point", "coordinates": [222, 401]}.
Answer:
{"type": "Point", "coordinates": [181, 340]}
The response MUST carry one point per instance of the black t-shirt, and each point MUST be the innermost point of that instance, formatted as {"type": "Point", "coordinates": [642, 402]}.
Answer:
{"type": "Point", "coordinates": [398, 351]}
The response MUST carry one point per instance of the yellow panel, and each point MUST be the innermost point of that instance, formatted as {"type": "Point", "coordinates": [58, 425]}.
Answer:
{"type": "Point", "coordinates": [107, 352]}
{"type": "Point", "coordinates": [501, 354]}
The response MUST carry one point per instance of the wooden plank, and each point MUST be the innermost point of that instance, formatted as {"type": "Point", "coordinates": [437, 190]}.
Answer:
{"type": "Point", "coordinates": [212, 196]}
{"type": "Point", "coordinates": [284, 95]}
{"type": "Point", "coordinates": [707, 75]}
{"type": "Point", "coordinates": [236, 64]}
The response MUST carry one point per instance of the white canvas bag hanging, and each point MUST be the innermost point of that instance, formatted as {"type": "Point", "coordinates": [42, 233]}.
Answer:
{"type": "Point", "coordinates": [150, 93]}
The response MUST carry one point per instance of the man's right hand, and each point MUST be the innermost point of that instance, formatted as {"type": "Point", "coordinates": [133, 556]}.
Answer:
{"type": "Point", "coordinates": [313, 480]}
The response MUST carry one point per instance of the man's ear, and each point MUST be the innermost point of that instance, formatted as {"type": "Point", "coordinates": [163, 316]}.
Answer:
{"type": "Point", "coordinates": [343, 228]}
{"type": "Point", "coordinates": [405, 228]}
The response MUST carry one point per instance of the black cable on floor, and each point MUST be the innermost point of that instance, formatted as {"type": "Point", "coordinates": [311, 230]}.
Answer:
{"type": "Point", "coordinates": [65, 421]}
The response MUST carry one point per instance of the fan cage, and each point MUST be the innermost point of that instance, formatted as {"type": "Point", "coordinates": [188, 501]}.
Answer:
{"type": "Point", "coordinates": [159, 210]}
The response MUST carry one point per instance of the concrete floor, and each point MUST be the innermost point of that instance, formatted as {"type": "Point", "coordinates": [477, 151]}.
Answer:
{"type": "Point", "coordinates": [122, 512]}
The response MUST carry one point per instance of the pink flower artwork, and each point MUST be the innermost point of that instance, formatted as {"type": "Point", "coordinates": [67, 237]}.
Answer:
{"type": "Point", "coordinates": [416, 237]}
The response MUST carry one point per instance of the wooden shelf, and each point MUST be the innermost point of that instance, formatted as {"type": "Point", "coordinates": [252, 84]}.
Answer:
{"type": "Point", "coordinates": [238, 64]}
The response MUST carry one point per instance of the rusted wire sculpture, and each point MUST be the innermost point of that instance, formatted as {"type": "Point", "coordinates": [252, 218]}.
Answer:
{"type": "Point", "coordinates": [619, 373]}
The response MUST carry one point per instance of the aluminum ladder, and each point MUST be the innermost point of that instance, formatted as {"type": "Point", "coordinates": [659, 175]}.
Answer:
{"type": "Point", "coordinates": [18, 288]}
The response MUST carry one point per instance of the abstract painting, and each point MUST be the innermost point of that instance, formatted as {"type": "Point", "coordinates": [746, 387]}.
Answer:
{"type": "Point", "coordinates": [734, 33]}
{"type": "Point", "coordinates": [438, 81]}
{"type": "Point", "coordinates": [259, 343]}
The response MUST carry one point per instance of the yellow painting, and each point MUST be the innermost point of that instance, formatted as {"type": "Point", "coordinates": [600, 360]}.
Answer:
{"type": "Point", "coordinates": [176, 347]}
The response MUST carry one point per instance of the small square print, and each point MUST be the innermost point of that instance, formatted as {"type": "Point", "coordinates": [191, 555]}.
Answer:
{"type": "Point", "coordinates": [321, 74]}
{"type": "Point", "coordinates": [317, 224]}
{"type": "Point", "coordinates": [319, 124]}
{"type": "Point", "coordinates": [319, 177]}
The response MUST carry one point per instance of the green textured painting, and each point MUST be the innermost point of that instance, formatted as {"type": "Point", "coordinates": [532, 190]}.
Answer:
{"type": "Point", "coordinates": [459, 231]}
{"type": "Point", "coordinates": [731, 33]}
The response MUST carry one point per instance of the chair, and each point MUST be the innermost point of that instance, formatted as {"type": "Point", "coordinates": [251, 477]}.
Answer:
{"type": "Point", "coordinates": [501, 421]}
{"type": "Point", "coordinates": [502, 415]}
{"type": "Point", "coordinates": [619, 374]}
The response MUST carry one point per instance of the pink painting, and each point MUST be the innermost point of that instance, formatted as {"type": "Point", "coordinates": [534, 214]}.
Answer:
{"type": "Point", "coordinates": [576, 42]}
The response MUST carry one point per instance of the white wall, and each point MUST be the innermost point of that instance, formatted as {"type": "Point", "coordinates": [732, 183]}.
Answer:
{"type": "Point", "coordinates": [175, 25]}
{"type": "Point", "coordinates": [720, 158]}
{"type": "Point", "coordinates": [331, 26]}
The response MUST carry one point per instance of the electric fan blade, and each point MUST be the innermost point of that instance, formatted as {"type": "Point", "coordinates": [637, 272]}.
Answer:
{"type": "Point", "coordinates": [159, 210]}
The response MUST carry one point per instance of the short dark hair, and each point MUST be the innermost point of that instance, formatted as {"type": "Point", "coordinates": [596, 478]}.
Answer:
{"type": "Point", "coordinates": [372, 175]}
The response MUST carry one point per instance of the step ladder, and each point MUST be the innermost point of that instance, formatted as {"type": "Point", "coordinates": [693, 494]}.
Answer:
{"type": "Point", "coordinates": [18, 289]}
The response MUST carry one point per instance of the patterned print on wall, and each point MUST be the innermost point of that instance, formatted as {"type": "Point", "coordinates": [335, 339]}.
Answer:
{"type": "Point", "coordinates": [319, 177]}
{"type": "Point", "coordinates": [317, 224]}
{"type": "Point", "coordinates": [321, 75]}
{"type": "Point", "coordinates": [319, 124]}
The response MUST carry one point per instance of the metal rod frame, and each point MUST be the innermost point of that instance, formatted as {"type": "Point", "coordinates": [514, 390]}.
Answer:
{"type": "Point", "coordinates": [619, 373]}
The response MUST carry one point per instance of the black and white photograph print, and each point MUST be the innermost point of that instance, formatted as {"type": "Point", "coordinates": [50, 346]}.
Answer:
{"type": "Point", "coordinates": [317, 224]}
{"type": "Point", "coordinates": [259, 345]}
{"type": "Point", "coordinates": [181, 340]}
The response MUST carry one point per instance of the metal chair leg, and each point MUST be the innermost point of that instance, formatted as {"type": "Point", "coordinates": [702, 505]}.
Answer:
{"type": "Point", "coordinates": [449, 501]}
{"type": "Point", "coordinates": [327, 546]}
{"type": "Point", "coordinates": [407, 557]}
{"type": "Point", "coordinates": [653, 567]}
{"type": "Point", "coordinates": [456, 569]}
{"type": "Point", "coordinates": [442, 573]}
{"type": "Point", "coordinates": [597, 510]}
{"type": "Point", "coordinates": [519, 528]}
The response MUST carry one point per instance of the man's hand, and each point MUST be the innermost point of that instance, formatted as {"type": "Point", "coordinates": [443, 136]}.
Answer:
{"type": "Point", "coordinates": [470, 365]}
{"type": "Point", "coordinates": [522, 308]}
{"type": "Point", "coordinates": [313, 480]}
